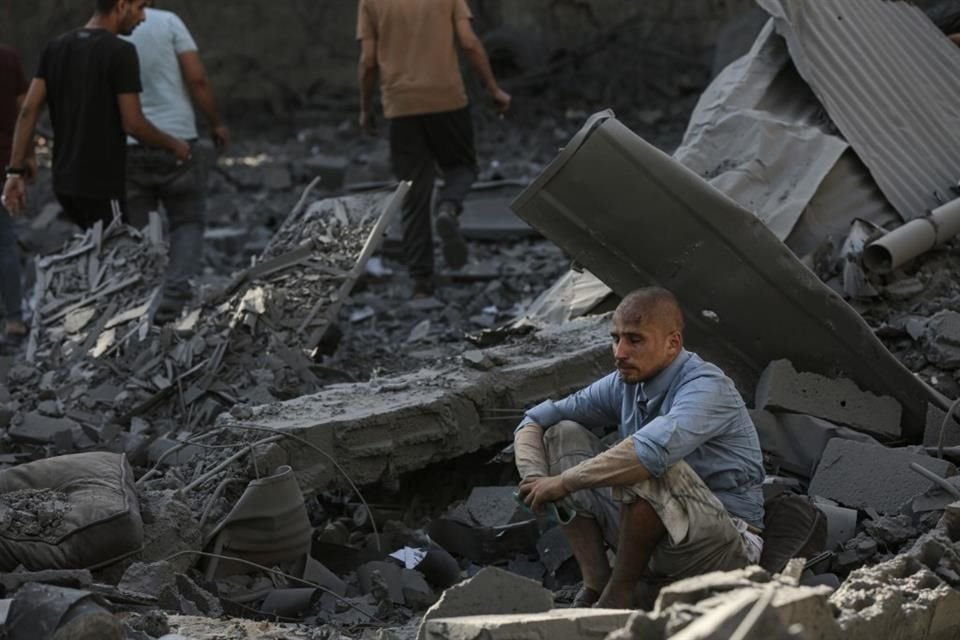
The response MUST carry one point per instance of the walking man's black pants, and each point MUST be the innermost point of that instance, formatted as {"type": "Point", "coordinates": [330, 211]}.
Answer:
{"type": "Point", "coordinates": [418, 146]}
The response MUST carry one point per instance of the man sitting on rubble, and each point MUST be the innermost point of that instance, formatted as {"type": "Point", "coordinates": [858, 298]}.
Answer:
{"type": "Point", "coordinates": [679, 494]}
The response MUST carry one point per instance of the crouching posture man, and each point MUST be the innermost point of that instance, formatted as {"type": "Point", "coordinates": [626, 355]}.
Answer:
{"type": "Point", "coordinates": [679, 494]}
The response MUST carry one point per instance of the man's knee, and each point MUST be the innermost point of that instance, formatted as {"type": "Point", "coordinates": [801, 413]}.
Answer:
{"type": "Point", "coordinates": [565, 430]}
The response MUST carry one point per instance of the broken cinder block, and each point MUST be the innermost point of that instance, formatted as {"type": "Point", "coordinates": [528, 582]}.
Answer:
{"type": "Point", "coordinates": [492, 591]}
{"type": "Point", "coordinates": [781, 386]}
{"type": "Point", "coordinates": [795, 441]}
{"type": "Point", "coordinates": [859, 475]}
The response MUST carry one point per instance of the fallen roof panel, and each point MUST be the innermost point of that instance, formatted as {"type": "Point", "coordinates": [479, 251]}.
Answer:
{"type": "Point", "coordinates": [888, 78]}
{"type": "Point", "coordinates": [636, 217]}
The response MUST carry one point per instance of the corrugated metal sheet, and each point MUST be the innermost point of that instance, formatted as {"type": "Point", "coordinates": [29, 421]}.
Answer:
{"type": "Point", "coordinates": [890, 81]}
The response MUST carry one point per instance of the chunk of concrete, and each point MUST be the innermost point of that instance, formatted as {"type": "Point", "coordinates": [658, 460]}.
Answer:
{"type": "Point", "coordinates": [861, 476]}
{"type": "Point", "coordinates": [794, 441]}
{"type": "Point", "coordinates": [492, 591]}
{"type": "Point", "coordinates": [693, 590]}
{"type": "Point", "coordinates": [899, 599]}
{"type": "Point", "coordinates": [781, 386]}
{"type": "Point", "coordinates": [40, 429]}
{"type": "Point", "coordinates": [493, 506]}
{"type": "Point", "coordinates": [942, 339]}
{"type": "Point", "coordinates": [390, 573]}
{"type": "Point", "coordinates": [157, 579]}
{"type": "Point", "coordinates": [723, 621]}
{"type": "Point", "coordinates": [417, 594]}
{"type": "Point", "coordinates": [561, 624]}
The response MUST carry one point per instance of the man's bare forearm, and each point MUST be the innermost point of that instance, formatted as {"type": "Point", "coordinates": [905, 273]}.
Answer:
{"type": "Point", "coordinates": [368, 83]}
{"type": "Point", "coordinates": [618, 466]}
{"type": "Point", "coordinates": [202, 94]}
{"type": "Point", "coordinates": [23, 135]}
{"type": "Point", "coordinates": [479, 60]}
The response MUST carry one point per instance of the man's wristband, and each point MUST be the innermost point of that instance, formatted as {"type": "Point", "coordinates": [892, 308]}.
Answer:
{"type": "Point", "coordinates": [15, 171]}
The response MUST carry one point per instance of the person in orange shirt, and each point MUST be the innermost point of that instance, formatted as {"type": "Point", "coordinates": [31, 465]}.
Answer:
{"type": "Point", "coordinates": [411, 44]}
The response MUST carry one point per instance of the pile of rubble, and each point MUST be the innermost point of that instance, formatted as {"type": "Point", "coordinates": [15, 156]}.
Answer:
{"type": "Point", "coordinates": [107, 377]}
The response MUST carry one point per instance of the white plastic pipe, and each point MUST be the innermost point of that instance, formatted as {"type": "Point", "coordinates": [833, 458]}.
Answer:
{"type": "Point", "coordinates": [913, 239]}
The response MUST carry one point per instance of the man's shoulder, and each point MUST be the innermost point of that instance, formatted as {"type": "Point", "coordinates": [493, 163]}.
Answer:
{"type": "Point", "coordinates": [160, 19]}
{"type": "Point", "coordinates": [702, 372]}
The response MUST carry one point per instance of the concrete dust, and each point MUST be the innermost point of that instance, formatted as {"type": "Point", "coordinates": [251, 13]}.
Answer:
{"type": "Point", "coordinates": [33, 512]}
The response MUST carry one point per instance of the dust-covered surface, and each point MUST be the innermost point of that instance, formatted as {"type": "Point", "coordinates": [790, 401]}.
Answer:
{"type": "Point", "coordinates": [36, 513]}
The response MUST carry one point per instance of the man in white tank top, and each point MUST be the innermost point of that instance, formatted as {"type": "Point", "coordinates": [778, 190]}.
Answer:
{"type": "Point", "coordinates": [173, 79]}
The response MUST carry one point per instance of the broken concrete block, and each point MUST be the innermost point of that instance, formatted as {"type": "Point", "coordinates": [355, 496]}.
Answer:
{"type": "Point", "coordinates": [697, 588]}
{"type": "Point", "coordinates": [191, 593]}
{"type": "Point", "coordinates": [169, 526]}
{"type": "Point", "coordinates": [795, 441]}
{"type": "Point", "coordinates": [554, 549]}
{"type": "Point", "coordinates": [417, 594]}
{"type": "Point", "coordinates": [492, 591]}
{"type": "Point", "coordinates": [838, 400]}
{"type": "Point", "coordinates": [935, 424]}
{"type": "Point", "coordinates": [40, 429]}
{"type": "Point", "coordinates": [390, 573]}
{"type": "Point", "coordinates": [859, 475]}
{"type": "Point", "coordinates": [899, 599]}
{"type": "Point", "coordinates": [70, 578]}
{"type": "Point", "coordinates": [494, 506]}
{"type": "Point", "coordinates": [157, 579]}
{"type": "Point", "coordinates": [942, 339]}
{"type": "Point", "coordinates": [724, 620]}
{"type": "Point", "coordinates": [562, 624]}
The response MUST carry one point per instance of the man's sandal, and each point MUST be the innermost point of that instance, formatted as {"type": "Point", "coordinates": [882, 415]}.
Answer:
{"type": "Point", "coordinates": [585, 598]}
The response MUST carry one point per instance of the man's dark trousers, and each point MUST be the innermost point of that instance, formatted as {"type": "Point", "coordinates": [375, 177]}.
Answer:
{"type": "Point", "coordinates": [418, 145]}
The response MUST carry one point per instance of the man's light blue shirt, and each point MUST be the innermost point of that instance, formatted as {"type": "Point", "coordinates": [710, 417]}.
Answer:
{"type": "Point", "coordinates": [165, 101]}
{"type": "Point", "coordinates": [689, 411]}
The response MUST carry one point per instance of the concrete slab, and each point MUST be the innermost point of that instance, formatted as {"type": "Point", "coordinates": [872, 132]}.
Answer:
{"type": "Point", "coordinates": [795, 441]}
{"type": "Point", "coordinates": [897, 600]}
{"type": "Point", "coordinates": [40, 429]}
{"type": "Point", "coordinates": [492, 591]}
{"type": "Point", "coordinates": [399, 424]}
{"type": "Point", "coordinates": [560, 624]}
{"type": "Point", "coordinates": [859, 475]}
{"type": "Point", "coordinates": [608, 179]}
{"type": "Point", "coordinates": [782, 387]}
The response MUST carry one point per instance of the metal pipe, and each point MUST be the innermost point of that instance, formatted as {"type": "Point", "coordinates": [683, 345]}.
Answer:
{"type": "Point", "coordinates": [913, 239]}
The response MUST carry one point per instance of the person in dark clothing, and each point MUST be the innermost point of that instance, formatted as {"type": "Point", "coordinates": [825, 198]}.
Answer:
{"type": "Point", "coordinates": [13, 91]}
{"type": "Point", "coordinates": [91, 80]}
{"type": "Point", "coordinates": [412, 45]}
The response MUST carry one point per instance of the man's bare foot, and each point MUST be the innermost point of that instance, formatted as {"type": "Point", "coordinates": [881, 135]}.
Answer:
{"type": "Point", "coordinates": [616, 597]}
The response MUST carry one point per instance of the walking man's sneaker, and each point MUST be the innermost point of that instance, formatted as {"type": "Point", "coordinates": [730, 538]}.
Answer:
{"type": "Point", "coordinates": [451, 242]}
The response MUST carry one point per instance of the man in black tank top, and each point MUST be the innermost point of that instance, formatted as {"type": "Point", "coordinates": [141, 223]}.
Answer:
{"type": "Point", "coordinates": [91, 80]}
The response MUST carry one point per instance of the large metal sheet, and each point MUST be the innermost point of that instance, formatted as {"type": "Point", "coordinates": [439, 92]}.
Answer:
{"type": "Point", "coordinates": [635, 217]}
{"type": "Point", "coordinates": [758, 135]}
{"type": "Point", "coordinates": [888, 78]}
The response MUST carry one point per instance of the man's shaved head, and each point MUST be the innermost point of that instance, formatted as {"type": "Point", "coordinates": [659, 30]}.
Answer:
{"type": "Point", "coordinates": [653, 305]}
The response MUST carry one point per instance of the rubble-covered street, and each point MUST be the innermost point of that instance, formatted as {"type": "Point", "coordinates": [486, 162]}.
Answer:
{"type": "Point", "coordinates": [315, 448]}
